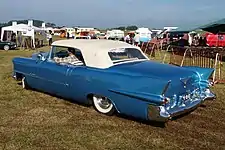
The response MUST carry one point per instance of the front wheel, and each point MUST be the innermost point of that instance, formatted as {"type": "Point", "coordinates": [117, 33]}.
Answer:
{"type": "Point", "coordinates": [103, 105]}
{"type": "Point", "coordinates": [6, 47]}
{"type": "Point", "coordinates": [24, 83]}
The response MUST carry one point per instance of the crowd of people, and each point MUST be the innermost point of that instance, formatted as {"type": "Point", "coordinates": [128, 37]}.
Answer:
{"type": "Point", "coordinates": [199, 41]}
{"type": "Point", "coordinates": [133, 39]}
{"type": "Point", "coordinates": [185, 40]}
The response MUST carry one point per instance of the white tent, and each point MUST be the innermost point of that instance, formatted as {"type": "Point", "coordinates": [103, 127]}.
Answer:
{"type": "Point", "coordinates": [145, 34]}
{"type": "Point", "coordinates": [26, 30]}
{"type": "Point", "coordinates": [143, 30]}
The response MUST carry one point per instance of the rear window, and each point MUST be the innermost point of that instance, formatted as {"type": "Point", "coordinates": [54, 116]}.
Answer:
{"type": "Point", "coordinates": [125, 54]}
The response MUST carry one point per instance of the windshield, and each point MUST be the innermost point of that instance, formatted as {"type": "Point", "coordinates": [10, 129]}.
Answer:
{"type": "Point", "coordinates": [125, 54]}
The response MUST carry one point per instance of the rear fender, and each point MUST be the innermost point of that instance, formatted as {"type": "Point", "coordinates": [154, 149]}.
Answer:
{"type": "Point", "coordinates": [148, 97]}
{"type": "Point", "coordinates": [154, 93]}
{"type": "Point", "coordinates": [204, 73]}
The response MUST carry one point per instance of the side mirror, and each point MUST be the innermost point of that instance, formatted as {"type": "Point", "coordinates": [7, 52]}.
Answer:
{"type": "Point", "coordinates": [41, 57]}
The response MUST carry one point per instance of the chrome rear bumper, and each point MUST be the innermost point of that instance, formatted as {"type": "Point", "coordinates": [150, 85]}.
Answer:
{"type": "Point", "coordinates": [161, 114]}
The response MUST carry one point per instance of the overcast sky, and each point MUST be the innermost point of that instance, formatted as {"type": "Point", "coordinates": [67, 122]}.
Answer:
{"type": "Point", "coordinates": [111, 13]}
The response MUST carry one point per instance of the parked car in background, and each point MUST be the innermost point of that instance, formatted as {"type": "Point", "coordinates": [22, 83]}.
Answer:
{"type": "Point", "coordinates": [82, 37]}
{"type": "Point", "coordinates": [101, 36]}
{"type": "Point", "coordinates": [114, 76]}
{"type": "Point", "coordinates": [115, 34]}
{"type": "Point", "coordinates": [214, 40]}
{"type": "Point", "coordinates": [4, 45]}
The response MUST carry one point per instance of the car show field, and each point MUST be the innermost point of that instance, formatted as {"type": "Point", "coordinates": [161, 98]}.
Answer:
{"type": "Point", "coordinates": [34, 120]}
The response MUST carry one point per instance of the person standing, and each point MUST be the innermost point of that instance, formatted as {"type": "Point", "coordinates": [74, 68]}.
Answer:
{"type": "Point", "coordinates": [68, 35]}
{"type": "Point", "coordinates": [50, 38]}
{"type": "Point", "coordinates": [13, 37]}
{"type": "Point", "coordinates": [73, 35]}
{"type": "Point", "coordinates": [205, 41]}
{"type": "Point", "coordinates": [136, 39]}
{"type": "Point", "coordinates": [127, 38]}
{"type": "Point", "coordinates": [200, 41]}
{"type": "Point", "coordinates": [19, 39]}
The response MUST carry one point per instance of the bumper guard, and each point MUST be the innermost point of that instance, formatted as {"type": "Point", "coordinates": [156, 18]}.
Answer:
{"type": "Point", "coordinates": [160, 114]}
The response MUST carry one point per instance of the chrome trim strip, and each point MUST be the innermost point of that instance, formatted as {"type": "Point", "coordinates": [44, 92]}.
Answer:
{"type": "Point", "coordinates": [166, 87]}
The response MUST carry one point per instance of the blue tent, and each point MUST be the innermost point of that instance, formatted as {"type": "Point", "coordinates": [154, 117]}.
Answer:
{"type": "Point", "coordinates": [144, 39]}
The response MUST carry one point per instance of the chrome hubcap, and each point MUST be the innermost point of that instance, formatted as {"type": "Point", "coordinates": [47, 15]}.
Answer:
{"type": "Point", "coordinates": [103, 102]}
{"type": "Point", "coordinates": [6, 48]}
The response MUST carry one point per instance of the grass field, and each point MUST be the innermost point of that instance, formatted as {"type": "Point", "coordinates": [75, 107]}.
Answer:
{"type": "Point", "coordinates": [33, 120]}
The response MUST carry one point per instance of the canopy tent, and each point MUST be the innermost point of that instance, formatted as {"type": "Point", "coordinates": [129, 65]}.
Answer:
{"type": "Point", "coordinates": [145, 30]}
{"type": "Point", "coordinates": [188, 29]}
{"type": "Point", "coordinates": [215, 27]}
{"type": "Point", "coordinates": [179, 31]}
{"type": "Point", "coordinates": [145, 34]}
{"type": "Point", "coordinates": [24, 28]}
{"type": "Point", "coordinates": [20, 27]}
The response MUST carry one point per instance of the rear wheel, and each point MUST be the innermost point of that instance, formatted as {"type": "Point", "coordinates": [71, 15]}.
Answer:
{"type": "Point", "coordinates": [103, 105]}
{"type": "Point", "coordinates": [6, 47]}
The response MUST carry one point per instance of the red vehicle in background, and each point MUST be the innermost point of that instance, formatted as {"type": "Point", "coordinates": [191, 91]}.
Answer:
{"type": "Point", "coordinates": [84, 33]}
{"type": "Point", "coordinates": [215, 40]}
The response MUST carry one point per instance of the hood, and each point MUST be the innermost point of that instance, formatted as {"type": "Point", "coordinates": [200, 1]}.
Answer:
{"type": "Point", "coordinates": [12, 43]}
{"type": "Point", "coordinates": [9, 43]}
{"type": "Point", "coordinates": [154, 70]}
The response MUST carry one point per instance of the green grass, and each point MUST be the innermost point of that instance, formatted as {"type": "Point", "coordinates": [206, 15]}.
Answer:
{"type": "Point", "coordinates": [33, 120]}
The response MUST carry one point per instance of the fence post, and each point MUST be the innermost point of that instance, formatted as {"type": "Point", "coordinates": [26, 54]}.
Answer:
{"type": "Point", "coordinates": [146, 47]}
{"type": "Point", "coordinates": [214, 74]}
{"type": "Point", "coordinates": [142, 44]}
{"type": "Point", "coordinates": [182, 62]}
{"type": "Point", "coordinates": [164, 58]}
{"type": "Point", "coordinates": [183, 58]}
{"type": "Point", "coordinates": [152, 51]}
{"type": "Point", "coordinates": [220, 60]}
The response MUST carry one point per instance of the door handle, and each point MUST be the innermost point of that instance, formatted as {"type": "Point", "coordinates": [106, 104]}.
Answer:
{"type": "Point", "coordinates": [87, 79]}
{"type": "Point", "coordinates": [32, 74]}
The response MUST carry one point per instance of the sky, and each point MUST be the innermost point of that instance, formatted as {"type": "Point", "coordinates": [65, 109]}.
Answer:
{"type": "Point", "coordinates": [113, 13]}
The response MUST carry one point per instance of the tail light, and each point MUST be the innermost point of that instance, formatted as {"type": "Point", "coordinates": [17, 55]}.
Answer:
{"type": "Point", "coordinates": [166, 100]}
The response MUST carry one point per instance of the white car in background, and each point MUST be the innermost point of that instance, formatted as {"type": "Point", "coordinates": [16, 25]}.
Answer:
{"type": "Point", "coordinates": [115, 34]}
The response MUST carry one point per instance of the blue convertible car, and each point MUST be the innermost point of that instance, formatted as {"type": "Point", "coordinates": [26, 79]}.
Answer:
{"type": "Point", "coordinates": [115, 76]}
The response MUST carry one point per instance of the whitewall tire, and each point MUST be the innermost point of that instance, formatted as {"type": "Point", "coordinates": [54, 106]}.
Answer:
{"type": "Point", "coordinates": [24, 83]}
{"type": "Point", "coordinates": [103, 105]}
{"type": "Point", "coordinates": [6, 47]}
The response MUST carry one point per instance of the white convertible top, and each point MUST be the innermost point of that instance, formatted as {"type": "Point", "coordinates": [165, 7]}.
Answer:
{"type": "Point", "coordinates": [95, 52]}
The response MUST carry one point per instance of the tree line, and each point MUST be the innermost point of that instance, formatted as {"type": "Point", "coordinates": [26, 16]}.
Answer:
{"type": "Point", "coordinates": [37, 23]}
{"type": "Point", "coordinates": [128, 28]}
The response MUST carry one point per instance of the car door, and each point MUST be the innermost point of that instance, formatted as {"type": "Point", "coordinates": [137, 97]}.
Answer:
{"type": "Point", "coordinates": [78, 83]}
{"type": "Point", "coordinates": [52, 75]}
